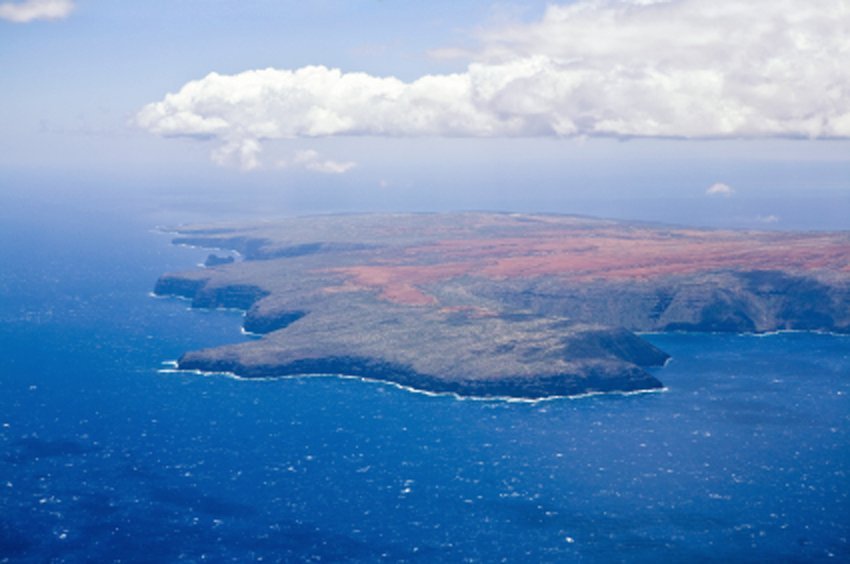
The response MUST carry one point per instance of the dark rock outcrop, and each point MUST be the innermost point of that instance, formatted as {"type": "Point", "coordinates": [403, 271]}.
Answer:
{"type": "Point", "coordinates": [237, 296]}
{"type": "Point", "coordinates": [172, 285]}
{"type": "Point", "coordinates": [214, 260]}
{"type": "Point", "coordinates": [266, 322]}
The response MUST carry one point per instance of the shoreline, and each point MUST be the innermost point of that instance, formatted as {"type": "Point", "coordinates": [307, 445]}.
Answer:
{"type": "Point", "coordinates": [772, 333]}
{"type": "Point", "coordinates": [411, 389]}
{"type": "Point", "coordinates": [172, 367]}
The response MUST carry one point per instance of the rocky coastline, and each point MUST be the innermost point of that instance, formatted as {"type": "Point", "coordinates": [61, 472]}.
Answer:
{"type": "Point", "coordinates": [422, 311]}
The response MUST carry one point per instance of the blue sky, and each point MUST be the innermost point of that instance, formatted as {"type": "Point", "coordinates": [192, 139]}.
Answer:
{"type": "Point", "coordinates": [622, 108]}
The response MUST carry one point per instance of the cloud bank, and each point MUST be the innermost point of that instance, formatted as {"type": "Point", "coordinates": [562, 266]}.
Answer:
{"type": "Point", "coordinates": [30, 10]}
{"type": "Point", "coordinates": [622, 68]}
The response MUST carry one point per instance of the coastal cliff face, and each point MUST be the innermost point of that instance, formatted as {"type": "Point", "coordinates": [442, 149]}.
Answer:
{"type": "Point", "coordinates": [749, 301]}
{"type": "Point", "coordinates": [489, 305]}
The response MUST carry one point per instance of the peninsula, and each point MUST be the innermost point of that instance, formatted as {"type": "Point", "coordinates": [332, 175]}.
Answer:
{"type": "Point", "coordinates": [507, 305]}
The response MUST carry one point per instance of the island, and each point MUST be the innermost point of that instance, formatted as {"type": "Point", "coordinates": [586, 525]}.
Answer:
{"type": "Point", "coordinates": [499, 305]}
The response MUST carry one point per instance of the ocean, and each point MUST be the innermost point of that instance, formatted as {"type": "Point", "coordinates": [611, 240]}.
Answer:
{"type": "Point", "coordinates": [104, 457]}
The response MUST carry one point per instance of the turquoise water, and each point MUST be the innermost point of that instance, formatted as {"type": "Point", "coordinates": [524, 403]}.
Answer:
{"type": "Point", "coordinates": [102, 457]}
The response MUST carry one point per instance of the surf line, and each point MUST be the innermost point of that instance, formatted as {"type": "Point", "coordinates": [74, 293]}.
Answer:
{"type": "Point", "coordinates": [172, 367]}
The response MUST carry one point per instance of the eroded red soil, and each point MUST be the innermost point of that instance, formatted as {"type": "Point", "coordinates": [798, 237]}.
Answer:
{"type": "Point", "coordinates": [608, 253]}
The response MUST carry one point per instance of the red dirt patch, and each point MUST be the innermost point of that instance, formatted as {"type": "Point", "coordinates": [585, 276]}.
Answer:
{"type": "Point", "coordinates": [609, 253]}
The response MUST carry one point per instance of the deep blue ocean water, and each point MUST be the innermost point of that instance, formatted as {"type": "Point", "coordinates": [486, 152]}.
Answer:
{"type": "Point", "coordinates": [102, 457]}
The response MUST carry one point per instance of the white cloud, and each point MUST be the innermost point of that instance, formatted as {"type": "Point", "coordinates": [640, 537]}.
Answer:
{"type": "Point", "coordinates": [720, 189]}
{"type": "Point", "coordinates": [767, 218]}
{"type": "Point", "coordinates": [29, 10]}
{"type": "Point", "coordinates": [242, 152]}
{"type": "Point", "coordinates": [622, 68]}
{"type": "Point", "coordinates": [311, 160]}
